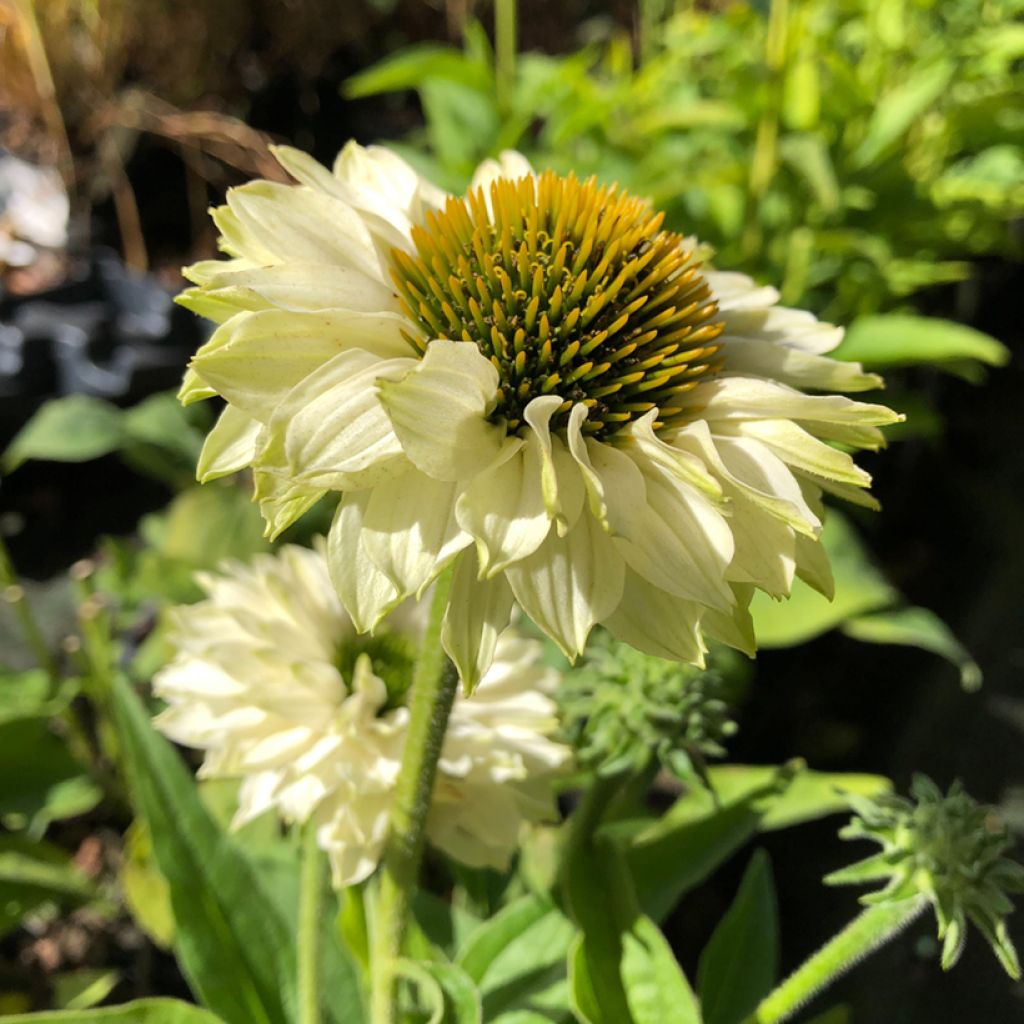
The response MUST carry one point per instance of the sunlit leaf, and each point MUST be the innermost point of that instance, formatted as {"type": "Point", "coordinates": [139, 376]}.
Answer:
{"type": "Point", "coordinates": [73, 429]}
{"type": "Point", "coordinates": [895, 339]}
{"type": "Point", "coordinates": [144, 1011]}
{"type": "Point", "coordinates": [916, 627]}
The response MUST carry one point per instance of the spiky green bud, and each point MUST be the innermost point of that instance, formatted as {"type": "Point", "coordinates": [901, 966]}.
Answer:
{"type": "Point", "coordinates": [948, 848]}
{"type": "Point", "coordinates": [622, 709]}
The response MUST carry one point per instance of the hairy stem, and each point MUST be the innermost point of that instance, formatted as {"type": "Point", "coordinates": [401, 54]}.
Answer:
{"type": "Point", "coordinates": [871, 929]}
{"type": "Point", "coordinates": [311, 902]}
{"type": "Point", "coordinates": [434, 683]}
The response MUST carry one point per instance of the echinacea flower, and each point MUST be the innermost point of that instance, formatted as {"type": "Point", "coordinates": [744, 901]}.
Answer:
{"type": "Point", "coordinates": [536, 384]}
{"type": "Point", "coordinates": [273, 682]}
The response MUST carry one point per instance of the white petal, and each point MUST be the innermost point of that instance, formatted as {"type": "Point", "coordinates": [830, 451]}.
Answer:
{"type": "Point", "coordinates": [367, 594]}
{"type": "Point", "coordinates": [750, 470]}
{"type": "Point", "coordinates": [801, 450]}
{"type": "Point", "coordinates": [746, 398]}
{"type": "Point", "coordinates": [672, 459]}
{"type": "Point", "coordinates": [656, 622]}
{"type": "Point", "coordinates": [380, 181]}
{"type": "Point", "coordinates": [796, 368]}
{"type": "Point", "coordinates": [193, 389]}
{"type": "Point", "coordinates": [617, 486]}
{"type": "Point", "coordinates": [297, 223]}
{"type": "Point", "coordinates": [439, 411]}
{"type": "Point", "coordinates": [478, 611]}
{"type": "Point", "coordinates": [330, 431]}
{"type": "Point", "coordinates": [765, 550]}
{"type": "Point", "coordinates": [229, 446]}
{"type": "Point", "coordinates": [732, 290]}
{"type": "Point", "coordinates": [503, 507]}
{"type": "Point", "coordinates": [255, 359]}
{"type": "Point", "coordinates": [813, 566]}
{"type": "Point", "coordinates": [509, 165]}
{"type": "Point", "coordinates": [675, 538]}
{"type": "Point", "coordinates": [569, 583]}
{"type": "Point", "coordinates": [780, 325]}
{"type": "Point", "coordinates": [301, 287]}
{"type": "Point", "coordinates": [410, 531]}
{"type": "Point", "coordinates": [734, 628]}
{"type": "Point", "coordinates": [283, 500]}
{"type": "Point", "coordinates": [561, 479]}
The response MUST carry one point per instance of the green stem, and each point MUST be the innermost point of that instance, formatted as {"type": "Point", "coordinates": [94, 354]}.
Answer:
{"type": "Point", "coordinates": [505, 46]}
{"type": "Point", "coordinates": [871, 929]}
{"type": "Point", "coordinates": [14, 595]}
{"type": "Point", "coordinates": [311, 900]}
{"type": "Point", "coordinates": [434, 684]}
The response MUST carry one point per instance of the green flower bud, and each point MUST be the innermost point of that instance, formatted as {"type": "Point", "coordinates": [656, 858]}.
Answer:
{"type": "Point", "coordinates": [623, 709]}
{"type": "Point", "coordinates": [946, 848]}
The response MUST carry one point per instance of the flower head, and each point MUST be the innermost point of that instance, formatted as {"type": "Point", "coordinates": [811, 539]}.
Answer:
{"type": "Point", "coordinates": [623, 709]}
{"type": "Point", "coordinates": [947, 848]}
{"type": "Point", "coordinates": [272, 680]}
{"type": "Point", "coordinates": [536, 382]}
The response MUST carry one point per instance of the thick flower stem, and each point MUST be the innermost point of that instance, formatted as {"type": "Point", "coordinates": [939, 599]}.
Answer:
{"type": "Point", "coordinates": [434, 684]}
{"type": "Point", "coordinates": [868, 931]}
{"type": "Point", "coordinates": [311, 901]}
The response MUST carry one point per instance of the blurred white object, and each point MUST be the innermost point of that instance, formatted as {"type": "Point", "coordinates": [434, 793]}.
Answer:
{"type": "Point", "coordinates": [34, 211]}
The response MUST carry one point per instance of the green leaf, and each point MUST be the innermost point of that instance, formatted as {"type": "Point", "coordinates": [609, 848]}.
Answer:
{"type": "Point", "coordinates": [145, 890]}
{"type": "Point", "coordinates": [39, 779]}
{"type": "Point", "coordinates": [739, 964]}
{"type": "Point", "coordinates": [586, 1005]}
{"type": "Point", "coordinates": [34, 874]}
{"type": "Point", "coordinates": [160, 439]}
{"type": "Point", "coordinates": [205, 525]}
{"type": "Point", "coordinates": [916, 627]}
{"type": "Point", "coordinates": [700, 831]}
{"type": "Point", "coordinates": [859, 587]}
{"type": "Point", "coordinates": [518, 956]}
{"type": "Point", "coordinates": [523, 1017]}
{"type": "Point", "coordinates": [232, 940]}
{"type": "Point", "coordinates": [163, 422]}
{"type": "Point", "coordinates": [461, 998]}
{"type": "Point", "coordinates": [673, 857]}
{"type": "Point", "coordinates": [812, 795]}
{"type": "Point", "coordinates": [42, 866]}
{"type": "Point", "coordinates": [26, 695]}
{"type": "Point", "coordinates": [144, 1011]}
{"type": "Point", "coordinates": [73, 429]}
{"type": "Point", "coordinates": [656, 988]}
{"type": "Point", "coordinates": [493, 937]}
{"type": "Point", "coordinates": [808, 155]}
{"type": "Point", "coordinates": [81, 989]}
{"type": "Point", "coordinates": [412, 67]}
{"type": "Point", "coordinates": [896, 111]}
{"type": "Point", "coordinates": [600, 897]}
{"type": "Point", "coordinates": [896, 339]}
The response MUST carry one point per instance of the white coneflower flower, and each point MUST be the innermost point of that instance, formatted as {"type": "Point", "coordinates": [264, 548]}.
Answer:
{"type": "Point", "coordinates": [272, 680]}
{"type": "Point", "coordinates": [535, 381]}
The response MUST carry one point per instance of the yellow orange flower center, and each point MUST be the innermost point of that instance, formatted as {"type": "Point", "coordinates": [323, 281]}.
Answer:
{"type": "Point", "coordinates": [570, 288]}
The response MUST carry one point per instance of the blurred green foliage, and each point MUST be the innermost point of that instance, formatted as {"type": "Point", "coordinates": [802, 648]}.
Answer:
{"type": "Point", "coordinates": [850, 151]}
